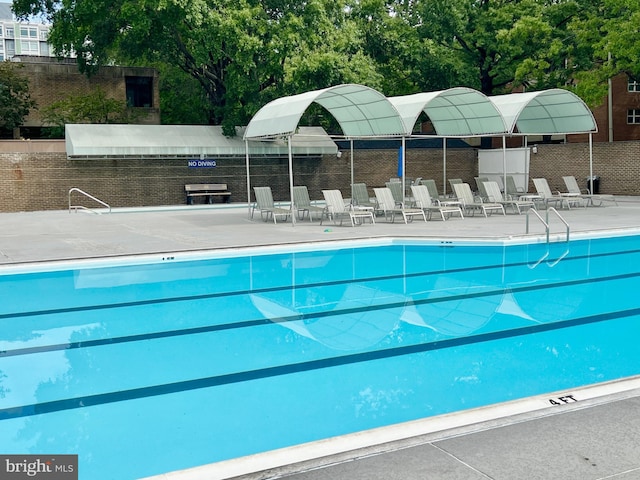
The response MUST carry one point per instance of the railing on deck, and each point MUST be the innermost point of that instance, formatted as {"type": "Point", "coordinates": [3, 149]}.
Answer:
{"type": "Point", "coordinates": [546, 222]}
{"type": "Point", "coordinates": [81, 207]}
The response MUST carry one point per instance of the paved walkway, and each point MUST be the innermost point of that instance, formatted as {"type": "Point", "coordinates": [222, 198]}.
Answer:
{"type": "Point", "coordinates": [597, 437]}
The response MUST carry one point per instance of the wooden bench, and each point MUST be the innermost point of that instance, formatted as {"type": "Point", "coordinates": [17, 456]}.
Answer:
{"type": "Point", "coordinates": [208, 190]}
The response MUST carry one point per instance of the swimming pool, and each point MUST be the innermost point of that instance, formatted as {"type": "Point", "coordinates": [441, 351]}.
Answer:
{"type": "Point", "coordinates": [150, 366]}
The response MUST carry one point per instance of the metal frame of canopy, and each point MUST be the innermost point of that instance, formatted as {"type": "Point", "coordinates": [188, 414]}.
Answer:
{"type": "Point", "coordinates": [359, 110]}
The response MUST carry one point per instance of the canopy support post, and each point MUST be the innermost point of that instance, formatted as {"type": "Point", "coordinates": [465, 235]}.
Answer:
{"type": "Point", "coordinates": [246, 152]}
{"type": "Point", "coordinates": [591, 163]}
{"type": "Point", "coordinates": [504, 164]}
{"type": "Point", "coordinates": [351, 159]}
{"type": "Point", "coordinates": [444, 165]}
{"type": "Point", "coordinates": [293, 217]}
{"type": "Point", "coordinates": [403, 169]}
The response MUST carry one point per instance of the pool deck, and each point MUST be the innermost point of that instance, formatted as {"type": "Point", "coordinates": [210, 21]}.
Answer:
{"type": "Point", "coordinates": [595, 437]}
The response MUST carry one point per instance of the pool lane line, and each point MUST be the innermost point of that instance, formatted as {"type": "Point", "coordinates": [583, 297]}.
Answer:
{"type": "Point", "coordinates": [262, 373]}
{"type": "Point", "coordinates": [298, 317]}
{"type": "Point", "coordinates": [206, 296]}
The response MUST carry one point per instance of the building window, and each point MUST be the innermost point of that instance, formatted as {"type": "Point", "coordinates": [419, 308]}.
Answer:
{"type": "Point", "coordinates": [139, 91]}
{"type": "Point", "coordinates": [28, 32]}
{"type": "Point", "coordinates": [633, 116]}
{"type": "Point", "coordinates": [633, 86]}
{"type": "Point", "coordinates": [29, 48]}
{"type": "Point", "coordinates": [8, 32]}
{"type": "Point", "coordinates": [0, 31]}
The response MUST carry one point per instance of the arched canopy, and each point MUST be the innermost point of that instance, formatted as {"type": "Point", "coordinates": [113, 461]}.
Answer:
{"type": "Point", "coordinates": [456, 112]}
{"type": "Point", "coordinates": [548, 112]}
{"type": "Point", "coordinates": [360, 111]}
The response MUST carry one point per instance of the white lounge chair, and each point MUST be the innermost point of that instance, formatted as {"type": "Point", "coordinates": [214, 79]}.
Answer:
{"type": "Point", "coordinates": [495, 195]}
{"type": "Point", "coordinates": [471, 204]}
{"type": "Point", "coordinates": [336, 209]}
{"type": "Point", "coordinates": [429, 205]}
{"type": "Point", "coordinates": [543, 189]}
{"type": "Point", "coordinates": [268, 209]}
{"type": "Point", "coordinates": [572, 187]}
{"type": "Point", "coordinates": [454, 181]}
{"type": "Point", "coordinates": [389, 207]}
{"type": "Point", "coordinates": [396, 192]}
{"type": "Point", "coordinates": [480, 184]}
{"type": "Point", "coordinates": [360, 195]}
{"type": "Point", "coordinates": [303, 203]}
{"type": "Point", "coordinates": [433, 190]}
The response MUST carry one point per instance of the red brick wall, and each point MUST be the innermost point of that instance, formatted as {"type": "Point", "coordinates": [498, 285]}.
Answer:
{"type": "Point", "coordinates": [40, 180]}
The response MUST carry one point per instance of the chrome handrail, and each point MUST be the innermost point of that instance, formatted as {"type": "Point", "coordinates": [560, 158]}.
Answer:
{"type": "Point", "coordinates": [561, 219]}
{"type": "Point", "coordinates": [81, 207]}
{"type": "Point", "coordinates": [546, 222]}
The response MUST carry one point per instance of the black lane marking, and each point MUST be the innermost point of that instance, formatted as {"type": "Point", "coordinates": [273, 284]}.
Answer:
{"type": "Point", "coordinates": [292, 318]}
{"type": "Point", "coordinates": [195, 384]}
{"type": "Point", "coordinates": [206, 296]}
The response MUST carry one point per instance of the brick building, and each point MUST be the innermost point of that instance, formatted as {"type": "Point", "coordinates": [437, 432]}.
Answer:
{"type": "Point", "coordinates": [51, 80]}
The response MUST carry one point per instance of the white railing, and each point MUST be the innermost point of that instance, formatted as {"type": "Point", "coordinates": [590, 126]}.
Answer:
{"type": "Point", "coordinates": [546, 222]}
{"type": "Point", "coordinates": [81, 207]}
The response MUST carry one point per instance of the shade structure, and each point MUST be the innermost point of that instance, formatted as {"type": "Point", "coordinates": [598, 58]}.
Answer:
{"type": "Point", "coordinates": [547, 112]}
{"type": "Point", "coordinates": [87, 141]}
{"type": "Point", "coordinates": [361, 112]}
{"type": "Point", "coordinates": [455, 112]}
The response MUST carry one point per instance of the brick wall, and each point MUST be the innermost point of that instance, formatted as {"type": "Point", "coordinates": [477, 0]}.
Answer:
{"type": "Point", "coordinates": [51, 82]}
{"type": "Point", "coordinates": [40, 180]}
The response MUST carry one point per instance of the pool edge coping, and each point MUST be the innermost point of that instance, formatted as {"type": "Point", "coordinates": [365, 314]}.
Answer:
{"type": "Point", "coordinates": [11, 268]}
{"type": "Point", "coordinates": [277, 463]}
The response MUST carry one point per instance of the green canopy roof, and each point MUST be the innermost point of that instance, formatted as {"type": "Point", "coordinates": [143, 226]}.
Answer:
{"type": "Point", "coordinates": [360, 111]}
{"type": "Point", "coordinates": [548, 112]}
{"type": "Point", "coordinates": [456, 112]}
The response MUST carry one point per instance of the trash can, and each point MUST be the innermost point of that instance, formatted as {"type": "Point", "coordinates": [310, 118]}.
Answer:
{"type": "Point", "coordinates": [596, 184]}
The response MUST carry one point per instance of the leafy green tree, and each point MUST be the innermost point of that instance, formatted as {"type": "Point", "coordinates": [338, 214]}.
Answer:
{"type": "Point", "coordinates": [505, 44]}
{"type": "Point", "coordinates": [94, 107]}
{"type": "Point", "coordinates": [243, 53]}
{"type": "Point", "coordinates": [15, 99]}
{"type": "Point", "coordinates": [609, 33]}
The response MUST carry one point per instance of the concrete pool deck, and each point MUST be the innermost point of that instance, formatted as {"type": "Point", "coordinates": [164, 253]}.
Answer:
{"type": "Point", "coordinates": [595, 437]}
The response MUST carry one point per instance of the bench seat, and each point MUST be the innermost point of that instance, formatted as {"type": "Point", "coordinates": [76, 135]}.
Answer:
{"type": "Point", "coordinates": [208, 190]}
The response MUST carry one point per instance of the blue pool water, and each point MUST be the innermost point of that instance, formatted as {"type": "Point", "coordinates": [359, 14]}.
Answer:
{"type": "Point", "coordinates": [146, 368]}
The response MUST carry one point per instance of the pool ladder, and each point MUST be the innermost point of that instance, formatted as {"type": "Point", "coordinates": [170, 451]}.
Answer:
{"type": "Point", "coordinates": [545, 222]}
{"type": "Point", "coordinates": [80, 207]}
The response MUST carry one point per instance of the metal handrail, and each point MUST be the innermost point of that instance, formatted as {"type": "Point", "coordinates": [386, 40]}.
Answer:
{"type": "Point", "coordinates": [80, 207]}
{"type": "Point", "coordinates": [546, 222]}
{"type": "Point", "coordinates": [561, 219]}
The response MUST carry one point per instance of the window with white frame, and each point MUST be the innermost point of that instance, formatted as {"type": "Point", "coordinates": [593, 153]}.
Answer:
{"type": "Point", "coordinates": [29, 47]}
{"type": "Point", "coordinates": [28, 32]}
{"type": "Point", "coordinates": [1, 30]}
{"type": "Point", "coordinates": [8, 31]}
{"type": "Point", "coordinates": [633, 85]}
{"type": "Point", "coordinates": [633, 116]}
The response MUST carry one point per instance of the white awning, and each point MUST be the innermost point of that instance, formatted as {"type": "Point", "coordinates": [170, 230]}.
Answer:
{"type": "Point", "coordinates": [456, 112]}
{"type": "Point", "coordinates": [171, 141]}
{"type": "Point", "coordinates": [360, 111]}
{"type": "Point", "coordinates": [548, 112]}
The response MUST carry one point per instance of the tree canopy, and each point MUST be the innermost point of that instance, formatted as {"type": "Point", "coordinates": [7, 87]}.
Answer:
{"type": "Point", "coordinates": [244, 53]}
{"type": "Point", "coordinates": [15, 100]}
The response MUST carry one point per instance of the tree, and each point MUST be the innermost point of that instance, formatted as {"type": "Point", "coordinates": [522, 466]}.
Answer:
{"type": "Point", "coordinates": [15, 99]}
{"type": "Point", "coordinates": [610, 35]}
{"type": "Point", "coordinates": [95, 107]}
{"type": "Point", "coordinates": [243, 53]}
{"type": "Point", "coordinates": [505, 43]}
